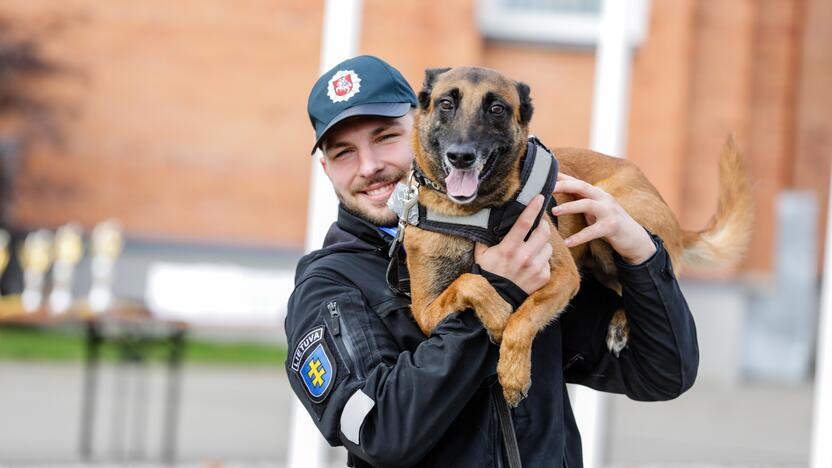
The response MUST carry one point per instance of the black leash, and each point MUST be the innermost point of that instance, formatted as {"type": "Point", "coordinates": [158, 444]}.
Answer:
{"type": "Point", "coordinates": [507, 428]}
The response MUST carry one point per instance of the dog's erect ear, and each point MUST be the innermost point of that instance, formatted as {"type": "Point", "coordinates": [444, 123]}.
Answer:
{"type": "Point", "coordinates": [427, 86]}
{"type": "Point", "coordinates": [526, 108]}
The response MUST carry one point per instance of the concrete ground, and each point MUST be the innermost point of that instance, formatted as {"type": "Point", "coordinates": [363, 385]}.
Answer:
{"type": "Point", "coordinates": [239, 417]}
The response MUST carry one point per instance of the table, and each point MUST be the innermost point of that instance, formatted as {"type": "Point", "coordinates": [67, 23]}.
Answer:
{"type": "Point", "coordinates": [134, 332]}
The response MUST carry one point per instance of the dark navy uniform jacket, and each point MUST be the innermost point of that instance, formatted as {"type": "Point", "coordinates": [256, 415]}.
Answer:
{"type": "Point", "coordinates": [375, 384]}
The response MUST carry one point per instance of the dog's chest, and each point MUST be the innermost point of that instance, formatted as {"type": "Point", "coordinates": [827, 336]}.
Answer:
{"type": "Point", "coordinates": [444, 258]}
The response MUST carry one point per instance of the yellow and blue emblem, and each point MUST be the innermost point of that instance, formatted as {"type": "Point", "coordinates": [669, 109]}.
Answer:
{"type": "Point", "coordinates": [317, 371]}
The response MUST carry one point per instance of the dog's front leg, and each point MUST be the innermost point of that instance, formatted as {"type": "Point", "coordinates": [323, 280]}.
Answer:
{"type": "Point", "coordinates": [469, 291]}
{"type": "Point", "coordinates": [432, 260]}
{"type": "Point", "coordinates": [540, 308]}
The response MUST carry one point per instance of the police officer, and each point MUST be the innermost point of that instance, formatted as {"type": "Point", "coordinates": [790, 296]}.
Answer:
{"type": "Point", "coordinates": [370, 379]}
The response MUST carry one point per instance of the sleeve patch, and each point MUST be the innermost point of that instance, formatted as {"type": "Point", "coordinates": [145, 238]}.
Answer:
{"type": "Point", "coordinates": [313, 362]}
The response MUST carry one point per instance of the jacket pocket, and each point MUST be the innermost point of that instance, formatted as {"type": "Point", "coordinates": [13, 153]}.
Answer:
{"type": "Point", "coordinates": [344, 319]}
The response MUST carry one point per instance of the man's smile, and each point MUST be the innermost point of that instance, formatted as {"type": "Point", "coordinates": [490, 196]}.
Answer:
{"type": "Point", "coordinates": [379, 191]}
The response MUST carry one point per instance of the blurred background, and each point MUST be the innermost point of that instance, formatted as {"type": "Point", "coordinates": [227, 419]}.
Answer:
{"type": "Point", "coordinates": [186, 122]}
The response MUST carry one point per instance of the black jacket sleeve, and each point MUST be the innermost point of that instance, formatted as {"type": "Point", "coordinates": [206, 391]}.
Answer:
{"type": "Point", "coordinates": [387, 407]}
{"type": "Point", "coordinates": [661, 359]}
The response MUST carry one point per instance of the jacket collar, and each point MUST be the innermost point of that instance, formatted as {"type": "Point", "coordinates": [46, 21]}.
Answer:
{"type": "Point", "coordinates": [349, 226]}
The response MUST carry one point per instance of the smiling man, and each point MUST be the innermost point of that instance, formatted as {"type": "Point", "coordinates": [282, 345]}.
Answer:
{"type": "Point", "coordinates": [365, 158]}
{"type": "Point", "coordinates": [374, 383]}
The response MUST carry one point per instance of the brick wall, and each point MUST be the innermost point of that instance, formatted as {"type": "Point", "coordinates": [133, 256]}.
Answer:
{"type": "Point", "coordinates": [191, 116]}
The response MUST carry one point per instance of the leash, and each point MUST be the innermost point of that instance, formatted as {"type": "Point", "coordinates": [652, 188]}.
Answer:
{"type": "Point", "coordinates": [506, 428]}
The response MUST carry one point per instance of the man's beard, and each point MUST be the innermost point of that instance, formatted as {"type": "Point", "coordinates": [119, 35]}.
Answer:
{"type": "Point", "coordinates": [388, 219]}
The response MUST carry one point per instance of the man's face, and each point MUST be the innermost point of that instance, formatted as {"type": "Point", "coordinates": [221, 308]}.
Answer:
{"type": "Point", "coordinates": [364, 157]}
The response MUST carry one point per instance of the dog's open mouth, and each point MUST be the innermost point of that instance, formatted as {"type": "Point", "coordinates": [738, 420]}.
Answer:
{"type": "Point", "coordinates": [462, 184]}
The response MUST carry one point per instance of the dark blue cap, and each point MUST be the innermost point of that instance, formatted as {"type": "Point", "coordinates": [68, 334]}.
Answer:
{"type": "Point", "coordinates": [363, 85]}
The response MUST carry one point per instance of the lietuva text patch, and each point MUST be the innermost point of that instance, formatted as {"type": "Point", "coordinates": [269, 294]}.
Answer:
{"type": "Point", "coordinates": [312, 361]}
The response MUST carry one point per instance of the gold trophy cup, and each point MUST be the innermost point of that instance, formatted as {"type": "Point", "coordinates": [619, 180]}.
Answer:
{"type": "Point", "coordinates": [107, 241]}
{"type": "Point", "coordinates": [5, 240]}
{"type": "Point", "coordinates": [35, 258]}
{"type": "Point", "coordinates": [69, 249]}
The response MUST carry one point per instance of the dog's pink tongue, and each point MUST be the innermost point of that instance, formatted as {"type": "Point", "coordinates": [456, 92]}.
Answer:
{"type": "Point", "coordinates": [462, 182]}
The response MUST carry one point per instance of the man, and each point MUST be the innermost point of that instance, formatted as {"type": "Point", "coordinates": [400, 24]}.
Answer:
{"type": "Point", "coordinates": [370, 379]}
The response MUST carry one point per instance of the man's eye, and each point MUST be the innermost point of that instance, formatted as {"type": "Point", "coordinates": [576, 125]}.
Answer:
{"type": "Point", "coordinates": [341, 154]}
{"type": "Point", "coordinates": [446, 104]}
{"type": "Point", "coordinates": [497, 109]}
{"type": "Point", "coordinates": [387, 136]}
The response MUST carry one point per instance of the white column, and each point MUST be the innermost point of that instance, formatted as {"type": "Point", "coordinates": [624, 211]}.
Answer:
{"type": "Point", "coordinates": [610, 107]}
{"type": "Point", "coordinates": [341, 32]}
{"type": "Point", "coordinates": [822, 427]}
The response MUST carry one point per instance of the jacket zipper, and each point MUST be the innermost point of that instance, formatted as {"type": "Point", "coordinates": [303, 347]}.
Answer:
{"type": "Point", "coordinates": [339, 328]}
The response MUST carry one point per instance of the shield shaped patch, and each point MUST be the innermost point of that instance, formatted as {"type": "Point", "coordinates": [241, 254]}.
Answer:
{"type": "Point", "coordinates": [318, 372]}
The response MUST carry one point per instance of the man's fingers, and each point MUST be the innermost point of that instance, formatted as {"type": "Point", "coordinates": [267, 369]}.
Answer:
{"type": "Point", "coordinates": [579, 187]}
{"type": "Point", "coordinates": [524, 222]}
{"type": "Point", "coordinates": [591, 232]}
{"type": "Point", "coordinates": [581, 206]}
{"type": "Point", "coordinates": [539, 238]}
{"type": "Point", "coordinates": [562, 176]}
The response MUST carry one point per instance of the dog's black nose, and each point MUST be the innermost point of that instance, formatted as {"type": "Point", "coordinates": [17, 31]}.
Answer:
{"type": "Point", "coordinates": [461, 156]}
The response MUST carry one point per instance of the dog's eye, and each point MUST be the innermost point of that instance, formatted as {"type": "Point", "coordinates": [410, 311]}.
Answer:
{"type": "Point", "coordinates": [446, 104]}
{"type": "Point", "coordinates": [497, 109]}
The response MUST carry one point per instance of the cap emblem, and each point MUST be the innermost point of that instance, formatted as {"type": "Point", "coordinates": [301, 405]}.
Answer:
{"type": "Point", "coordinates": [343, 85]}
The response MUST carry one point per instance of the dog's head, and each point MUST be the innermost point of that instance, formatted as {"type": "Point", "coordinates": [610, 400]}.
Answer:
{"type": "Point", "coordinates": [471, 131]}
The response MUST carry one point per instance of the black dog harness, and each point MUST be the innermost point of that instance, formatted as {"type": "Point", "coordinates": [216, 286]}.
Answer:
{"type": "Point", "coordinates": [490, 225]}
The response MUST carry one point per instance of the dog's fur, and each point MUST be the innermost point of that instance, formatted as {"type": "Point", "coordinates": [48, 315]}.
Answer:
{"type": "Point", "coordinates": [457, 107]}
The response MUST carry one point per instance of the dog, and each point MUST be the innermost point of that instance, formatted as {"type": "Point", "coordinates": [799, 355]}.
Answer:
{"type": "Point", "coordinates": [471, 138]}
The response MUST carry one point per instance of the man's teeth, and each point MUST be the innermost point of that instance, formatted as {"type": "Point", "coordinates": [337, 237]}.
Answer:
{"type": "Point", "coordinates": [378, 191]}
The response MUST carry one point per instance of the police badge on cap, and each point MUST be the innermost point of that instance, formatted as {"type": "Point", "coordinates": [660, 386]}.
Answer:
{"type": "Point", "coordinates": [343, 85]}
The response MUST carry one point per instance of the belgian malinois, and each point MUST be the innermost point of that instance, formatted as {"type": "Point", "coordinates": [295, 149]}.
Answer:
{"type": "Point", "coordinates": [471, 135]}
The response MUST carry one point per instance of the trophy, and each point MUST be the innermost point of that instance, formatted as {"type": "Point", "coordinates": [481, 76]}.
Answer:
{"type": "Point", "coordinates": [68, 251]}
{"type": "Point", "coordinates": [35, 258]}
{"type": "Point", "coordinates": [5, 239]}
{"type": "Point", "coordinates": [106, 247]}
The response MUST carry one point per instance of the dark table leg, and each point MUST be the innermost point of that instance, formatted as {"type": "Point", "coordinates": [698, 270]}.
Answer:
{"type": "Point", "coordinates": [171, 416]}
{"type": "Point", "coordinates": [91, 358]}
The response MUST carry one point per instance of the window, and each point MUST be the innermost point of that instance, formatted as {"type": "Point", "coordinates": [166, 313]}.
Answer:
{"type": "Point", "coordinates": [562, 22]}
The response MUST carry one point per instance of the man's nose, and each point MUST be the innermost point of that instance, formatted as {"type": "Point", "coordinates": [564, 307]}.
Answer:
{"type": "Point", "coordinates": [370, 163]}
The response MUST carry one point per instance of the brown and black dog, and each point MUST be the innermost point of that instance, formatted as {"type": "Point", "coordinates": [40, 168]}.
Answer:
{"type": "Point", "coordinates": [468, 118]}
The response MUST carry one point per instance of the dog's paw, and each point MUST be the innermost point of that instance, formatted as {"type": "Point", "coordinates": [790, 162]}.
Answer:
{"type": "Point", "coordinates": [514, 374]}
{"type": "Point", "coordinates": [618, 333]}
{"type": "Point", "coordinates": [514, 397]}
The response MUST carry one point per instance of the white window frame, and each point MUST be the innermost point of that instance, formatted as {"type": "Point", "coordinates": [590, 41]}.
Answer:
{"type": "Point", "coordinates": [499, 21]}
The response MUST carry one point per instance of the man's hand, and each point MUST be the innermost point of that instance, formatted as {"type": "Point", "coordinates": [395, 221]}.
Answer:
{"type": "Point", "coordinates": [606, 220]}
{"type": "Point", "coordinates": [525, 263]}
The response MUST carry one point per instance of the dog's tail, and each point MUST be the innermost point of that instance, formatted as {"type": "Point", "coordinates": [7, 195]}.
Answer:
{"type": "Point", "coordinates": [725, 240]}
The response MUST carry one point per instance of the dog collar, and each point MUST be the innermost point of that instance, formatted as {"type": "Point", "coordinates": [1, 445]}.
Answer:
{"type": "Point", "coordinates": [423, 180]}
{"type": "Point", "coordinates": [488, 225]}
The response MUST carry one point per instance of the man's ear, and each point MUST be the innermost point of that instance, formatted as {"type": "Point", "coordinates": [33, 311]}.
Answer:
{"type": "Point", "coordinates": [427, 86]}
{"type": "Point", "coordinates": [526, 108]}
{"type": "Point", "coordinates": [322, 160]}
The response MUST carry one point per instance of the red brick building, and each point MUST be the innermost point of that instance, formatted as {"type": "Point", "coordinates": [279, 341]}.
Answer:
{"type": "Point", "coordinates": [190, 117]}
